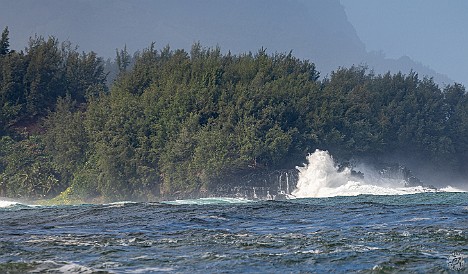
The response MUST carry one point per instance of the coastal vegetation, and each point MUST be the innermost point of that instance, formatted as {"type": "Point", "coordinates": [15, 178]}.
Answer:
{"type": "Point", "coordinates": [176, 123]}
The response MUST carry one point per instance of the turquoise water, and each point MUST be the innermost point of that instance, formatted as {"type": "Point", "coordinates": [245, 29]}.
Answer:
{"type": "Point", "coordinates": [364, 234]}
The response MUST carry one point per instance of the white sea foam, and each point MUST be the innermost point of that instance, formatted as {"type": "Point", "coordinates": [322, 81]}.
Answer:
{"type": "Point", "coordinates": [73, 268]}
{"type": "Point", "coordinates": [451, 189]}
{"type": "Point", "coordinates": [207, 201]}
{"type": "Point", "coordinates": [362, 248]}
{"type": "Point", "coordinates": [7, 203]}
{"type": "Point", "coordinates": [321, 178]}
{"type": "Point", "coordinates": [121, 203]}
{"type": "Point", "coordinates": [151, 270]}
{"type": "Point", "coordinates": [50, 266]}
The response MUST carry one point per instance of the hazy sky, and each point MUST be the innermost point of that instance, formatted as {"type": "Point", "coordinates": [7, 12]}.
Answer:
{"type": "Point", "coordinates": [433, 32]}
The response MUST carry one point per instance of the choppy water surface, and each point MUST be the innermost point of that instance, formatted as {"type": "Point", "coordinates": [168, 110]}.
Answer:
{"type": "Point", "coordinates": [363, 233]}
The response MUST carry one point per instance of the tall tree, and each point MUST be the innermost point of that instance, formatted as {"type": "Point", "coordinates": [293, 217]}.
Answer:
{"type": "Point", "coordinates": [5, 42]}
{"type": "Point", "coordinates": [44, 76]}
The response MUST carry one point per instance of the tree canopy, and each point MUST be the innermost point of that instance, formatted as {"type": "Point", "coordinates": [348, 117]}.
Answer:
{"type": "Point", "coordinates": [178, 123]}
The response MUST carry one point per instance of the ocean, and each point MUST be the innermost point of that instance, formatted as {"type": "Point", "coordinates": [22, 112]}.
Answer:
{"type": "Point", "coordinates": [328, 226]}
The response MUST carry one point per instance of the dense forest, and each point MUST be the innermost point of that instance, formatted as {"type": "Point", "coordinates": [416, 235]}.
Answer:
{"type": "Point", "coordinates": [176, 123]}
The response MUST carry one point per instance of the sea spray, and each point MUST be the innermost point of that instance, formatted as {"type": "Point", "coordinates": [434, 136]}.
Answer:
{"type": "Point", "coordinates": [321, 177]}
{"type": "Point", "coordinates": [318, 175]}
{"type": "Point", "coordinates": [7, 203]}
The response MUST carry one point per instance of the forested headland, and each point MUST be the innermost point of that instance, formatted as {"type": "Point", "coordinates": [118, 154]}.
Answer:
{"type": "Point", "coordinates": [176, 123]}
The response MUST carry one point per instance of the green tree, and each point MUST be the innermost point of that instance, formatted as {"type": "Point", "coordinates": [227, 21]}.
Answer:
{"type": "Point", "coordinates": [44, 79]}
{"type": "Point", "coordinates": [5, 42]}
{"type": "Point", "coordinates": [123, 59]}
{"type": "Point", "coordinates": [84, 75]}
{"type": "Point", "coordinates": [27, 169]}
{"type": "Point", "coordinates": [66, 139]}
{"type": "Point", "coordinates": [12, 90]}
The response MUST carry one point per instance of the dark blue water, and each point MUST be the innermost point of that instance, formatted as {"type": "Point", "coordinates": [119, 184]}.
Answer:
{"type": "Point", "coordinates": [366, 234]}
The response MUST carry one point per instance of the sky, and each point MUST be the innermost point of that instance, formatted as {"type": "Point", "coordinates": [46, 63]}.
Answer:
{"type": "Point", "coordinates": [433, 32]}
{"type": "Point", "coordinates": [430, 32]}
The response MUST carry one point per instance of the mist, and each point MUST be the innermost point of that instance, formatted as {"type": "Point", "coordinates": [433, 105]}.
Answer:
{"type": "Point", "coordinates": [319, 30]}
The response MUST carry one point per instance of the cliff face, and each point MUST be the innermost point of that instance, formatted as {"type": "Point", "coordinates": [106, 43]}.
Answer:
{"type": "Point", "coordinates": [313, 29]}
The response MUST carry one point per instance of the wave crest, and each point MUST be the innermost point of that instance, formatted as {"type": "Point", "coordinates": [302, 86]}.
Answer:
{"type": "Point", "coordinates": [322, 178]}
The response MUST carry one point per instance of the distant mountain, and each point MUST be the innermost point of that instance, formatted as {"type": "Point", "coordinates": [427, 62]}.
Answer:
{"type": "Point", "coordinates": [380, 64]}
{"type": "Point", "coordinates": [313, 29]}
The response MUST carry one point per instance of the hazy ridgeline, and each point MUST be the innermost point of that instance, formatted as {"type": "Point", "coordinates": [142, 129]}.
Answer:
{"type": "Point", "coordinates": [317, 30]}
{"type": "Point", "coordinates": [177, 123]}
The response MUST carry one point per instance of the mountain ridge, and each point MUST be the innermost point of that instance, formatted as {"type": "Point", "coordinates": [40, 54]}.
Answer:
{"type": "Point", "coordinates": [317, 30]}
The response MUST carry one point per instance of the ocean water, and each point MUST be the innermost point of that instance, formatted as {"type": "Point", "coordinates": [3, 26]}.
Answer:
{"type": "Point", "coordinates": [364, 233]}
{"type": "Point", "coordinates": [330, 224]}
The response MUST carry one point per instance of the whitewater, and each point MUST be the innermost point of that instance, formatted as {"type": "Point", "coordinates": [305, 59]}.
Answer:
{"type": "Point", "coordinates": [335, 222]}
{"type": "Point", "coordinates": [321, 177]}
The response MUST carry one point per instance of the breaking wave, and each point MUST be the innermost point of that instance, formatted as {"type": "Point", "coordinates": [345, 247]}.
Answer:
{"type": "Point", "coordinates": [209, 201]}
{"type": "Point", "coordinates": [7, 203]}
{"type": "Point", "coordinates": [322, 178]}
